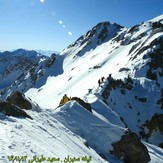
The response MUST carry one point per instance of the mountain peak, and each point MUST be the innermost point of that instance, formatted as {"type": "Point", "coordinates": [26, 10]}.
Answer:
{"type": "Point", "coordinates": [157, 19]}
{"type": "Point", "coordinates": [100, 33]}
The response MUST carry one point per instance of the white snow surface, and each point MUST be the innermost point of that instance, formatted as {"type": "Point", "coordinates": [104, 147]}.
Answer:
{"type": "Point", "coordinates": [44, 135]}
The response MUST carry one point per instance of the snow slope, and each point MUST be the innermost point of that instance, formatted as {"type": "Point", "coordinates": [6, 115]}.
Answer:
{"type": "Point", "coordinates": [48, 134]}
{"type": "Point", "coordinates": [70, 129]}
{"type": "Point", "coordinates": [81, 72]}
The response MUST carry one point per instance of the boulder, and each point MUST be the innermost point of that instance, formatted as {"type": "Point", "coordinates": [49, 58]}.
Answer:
{"type": "Point", "coordinates": [131, 149]}
{"type": "Point", "coordinates": [12, 110]}
{"type": "Point", "coordinates": [16, 98]}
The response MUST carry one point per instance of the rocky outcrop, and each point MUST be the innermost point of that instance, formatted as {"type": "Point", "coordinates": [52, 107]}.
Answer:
{"type": "Point", "coordinates": [19, 100]}
{"type": "Point", "coordinates": [160, 101]}
{"type": "Point", "coordinates": [87, 106]}
{"type": "Point", "coordinates": [131, 149]}
{"type": "Point", "coordinates": [155, 123]}
{"type": "Point", "coordinates": [51, 60]}
{"type": "Point", "coordinates": [12, 110]}
{"type": "Point", "coordinates": [155, 65]}
{"type": "Point", "coordinates": [116, 83]}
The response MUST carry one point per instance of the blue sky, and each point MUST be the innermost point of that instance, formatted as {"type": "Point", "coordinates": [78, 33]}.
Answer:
{"type": "Point", "coordinates": [54, 24]}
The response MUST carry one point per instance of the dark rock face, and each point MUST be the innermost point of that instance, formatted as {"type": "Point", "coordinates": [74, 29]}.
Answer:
{"type": "Point", "coordinates": [51, 60]}
{"type": "Point", "coordinates": [160, 101]}
{"type": "Point", "coordinates": [161, 145]}
{"type": "Point", "coordinates": [12, 110]}
{"type": "Point", "coordinates": [153, 125]}
{"type": "Point", "coordinates": [131, 149]}
{"type": "Point", "coordinates": [156, 122]}
{"type": "Point", "coordinates": [87, 106]}
{"type": "Point", "coordinates": [113, 84]}
{"type": "Point", "coordinates": [19, 100]}
{"type": "Point", "coordinates": [155, 65]}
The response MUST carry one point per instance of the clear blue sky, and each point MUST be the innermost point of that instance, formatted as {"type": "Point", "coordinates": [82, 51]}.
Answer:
{"type": "Point", "coordinates": [54, 24]}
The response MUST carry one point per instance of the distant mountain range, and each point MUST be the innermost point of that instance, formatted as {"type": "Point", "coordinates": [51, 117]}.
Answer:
{"type": "Point", "coordinates": [14, 63]}
{"type": "Point", "coordinates": [118, 71]}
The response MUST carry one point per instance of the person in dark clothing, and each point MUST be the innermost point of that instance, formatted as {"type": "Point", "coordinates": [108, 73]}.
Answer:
{"type": "Point", "coordinates": [102, 79]}
{"type": "Point", "coordinates": [99, 82]}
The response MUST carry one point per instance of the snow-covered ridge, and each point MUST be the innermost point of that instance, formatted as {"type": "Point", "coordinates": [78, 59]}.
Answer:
{"type": "Point", "coordinates": [157, 19]}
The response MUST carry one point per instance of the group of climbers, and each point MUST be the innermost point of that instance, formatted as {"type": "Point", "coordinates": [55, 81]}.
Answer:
{"type": "Point", "coordinates": [65, 98]}
{"type": "Point", "coordinates": [100, 81]}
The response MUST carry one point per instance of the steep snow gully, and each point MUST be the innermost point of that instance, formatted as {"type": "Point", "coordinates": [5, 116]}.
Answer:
{"type": "Point", "coordinates": [116, 71]}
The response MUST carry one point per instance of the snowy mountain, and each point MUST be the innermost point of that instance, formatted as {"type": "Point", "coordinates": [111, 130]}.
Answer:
{"type": "Point", "coordinates": [35, 75]}
{"type": "Point", "coordinates": [15, 63]}
{"type": "Point", "coordinates": [119, 72]}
